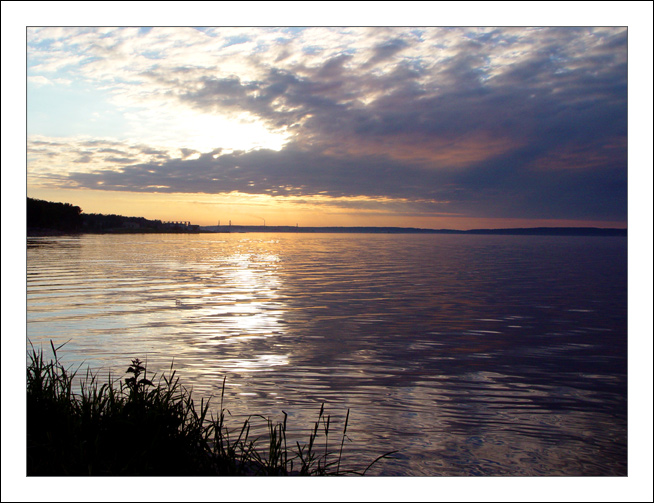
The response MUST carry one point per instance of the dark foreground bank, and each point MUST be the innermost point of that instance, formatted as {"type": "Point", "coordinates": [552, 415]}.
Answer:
{"type": "Point", "coordinates": [139, 428]}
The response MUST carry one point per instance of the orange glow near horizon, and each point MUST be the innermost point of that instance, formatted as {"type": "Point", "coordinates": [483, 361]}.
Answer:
{"type": "Point", "coordinates": [250, 209]}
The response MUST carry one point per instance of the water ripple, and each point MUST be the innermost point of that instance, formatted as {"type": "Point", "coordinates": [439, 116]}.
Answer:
{"type": "Point", "coordinates": [472, 355]}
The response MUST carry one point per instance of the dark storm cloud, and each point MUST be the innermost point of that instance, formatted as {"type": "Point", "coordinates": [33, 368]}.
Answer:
{"type": "Point", "coordinates": [111, 151]}
{"type": "Point", "coordinates": [456, 101]}
{"type": "Point", "coordinates": [120, 160]}
{"type": "Point", "coordinates": [187, 152]}
{"type": "Point", "coordinates": [541, 136]}
{"type": "Point", "coordinates": [385, 51]}
{"type": "Point", "coordinates": [292, 171]}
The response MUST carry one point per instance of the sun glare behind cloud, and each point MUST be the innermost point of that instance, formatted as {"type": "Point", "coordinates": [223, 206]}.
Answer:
{"type": "Point", "coordinates": [205, 132]}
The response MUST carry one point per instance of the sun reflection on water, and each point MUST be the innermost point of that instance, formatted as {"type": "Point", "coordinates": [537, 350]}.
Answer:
{"type": "Point", "coordinates": [234, 321]}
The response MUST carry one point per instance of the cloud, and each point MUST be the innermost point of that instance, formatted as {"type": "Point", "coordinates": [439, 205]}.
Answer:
{"type": "Point", "coordinates": [489, 188]}
{"type": "Point", "coordinates": [495, 121]}
{"type": "Point", "coordinates": [386, 50]}
{"type": "Point", "coordinates": [39, 80]}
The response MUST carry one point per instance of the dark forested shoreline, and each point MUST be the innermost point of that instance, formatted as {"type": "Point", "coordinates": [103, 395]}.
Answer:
{"type": "Point", "coordinates": [46, 218]}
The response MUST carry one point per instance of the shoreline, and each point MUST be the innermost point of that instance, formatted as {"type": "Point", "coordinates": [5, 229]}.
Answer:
{"type": "Point", "coordinates": [236, 229]}
{"type": "Point", "coordinates": [39, 233]}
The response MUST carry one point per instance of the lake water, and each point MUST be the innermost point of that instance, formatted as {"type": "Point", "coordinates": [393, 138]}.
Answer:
{"type": "Point", "coordinates": [470, 355]}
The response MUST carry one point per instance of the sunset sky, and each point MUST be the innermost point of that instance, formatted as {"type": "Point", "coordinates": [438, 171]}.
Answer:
{"type": "Point", "coordinates": [462, 127]}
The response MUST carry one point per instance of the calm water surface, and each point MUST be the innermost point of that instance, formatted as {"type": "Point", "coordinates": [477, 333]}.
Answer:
{"type": "Point", "coordinates": [470, 355]}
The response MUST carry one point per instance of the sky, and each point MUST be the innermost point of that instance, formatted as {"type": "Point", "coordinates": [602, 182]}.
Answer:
{"type": "Point", "coordinates": [435, 127]}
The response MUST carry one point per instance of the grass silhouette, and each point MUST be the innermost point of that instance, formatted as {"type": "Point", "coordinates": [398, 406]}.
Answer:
{"type": "Point", "coordinates": [136, 427]}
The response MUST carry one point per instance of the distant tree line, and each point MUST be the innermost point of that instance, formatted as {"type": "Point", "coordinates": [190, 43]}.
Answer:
{"type": "Point", "coordinates": [58, 216]}
{"type": "Point", "coordinates": [64, 217]}
{"type": "Point", "coordinates": [100, 222]}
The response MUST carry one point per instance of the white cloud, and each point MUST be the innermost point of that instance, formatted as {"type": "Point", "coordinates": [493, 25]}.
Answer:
{"type": "Point", "coordinates": [40, 80]}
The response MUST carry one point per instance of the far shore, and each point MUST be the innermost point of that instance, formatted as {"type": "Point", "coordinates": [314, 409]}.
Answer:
{"type": "Point", "coordinates": [530, 231]}
{"type": "Point", "coordinates": [38, 233]}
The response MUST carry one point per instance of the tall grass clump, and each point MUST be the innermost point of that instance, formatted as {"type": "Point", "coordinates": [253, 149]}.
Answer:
{"type": "Point", "coordinates": [138, 427]}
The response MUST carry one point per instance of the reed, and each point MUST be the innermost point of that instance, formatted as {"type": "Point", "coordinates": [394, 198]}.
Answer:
{"type": "Point", "coordinates": [136, 426]}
